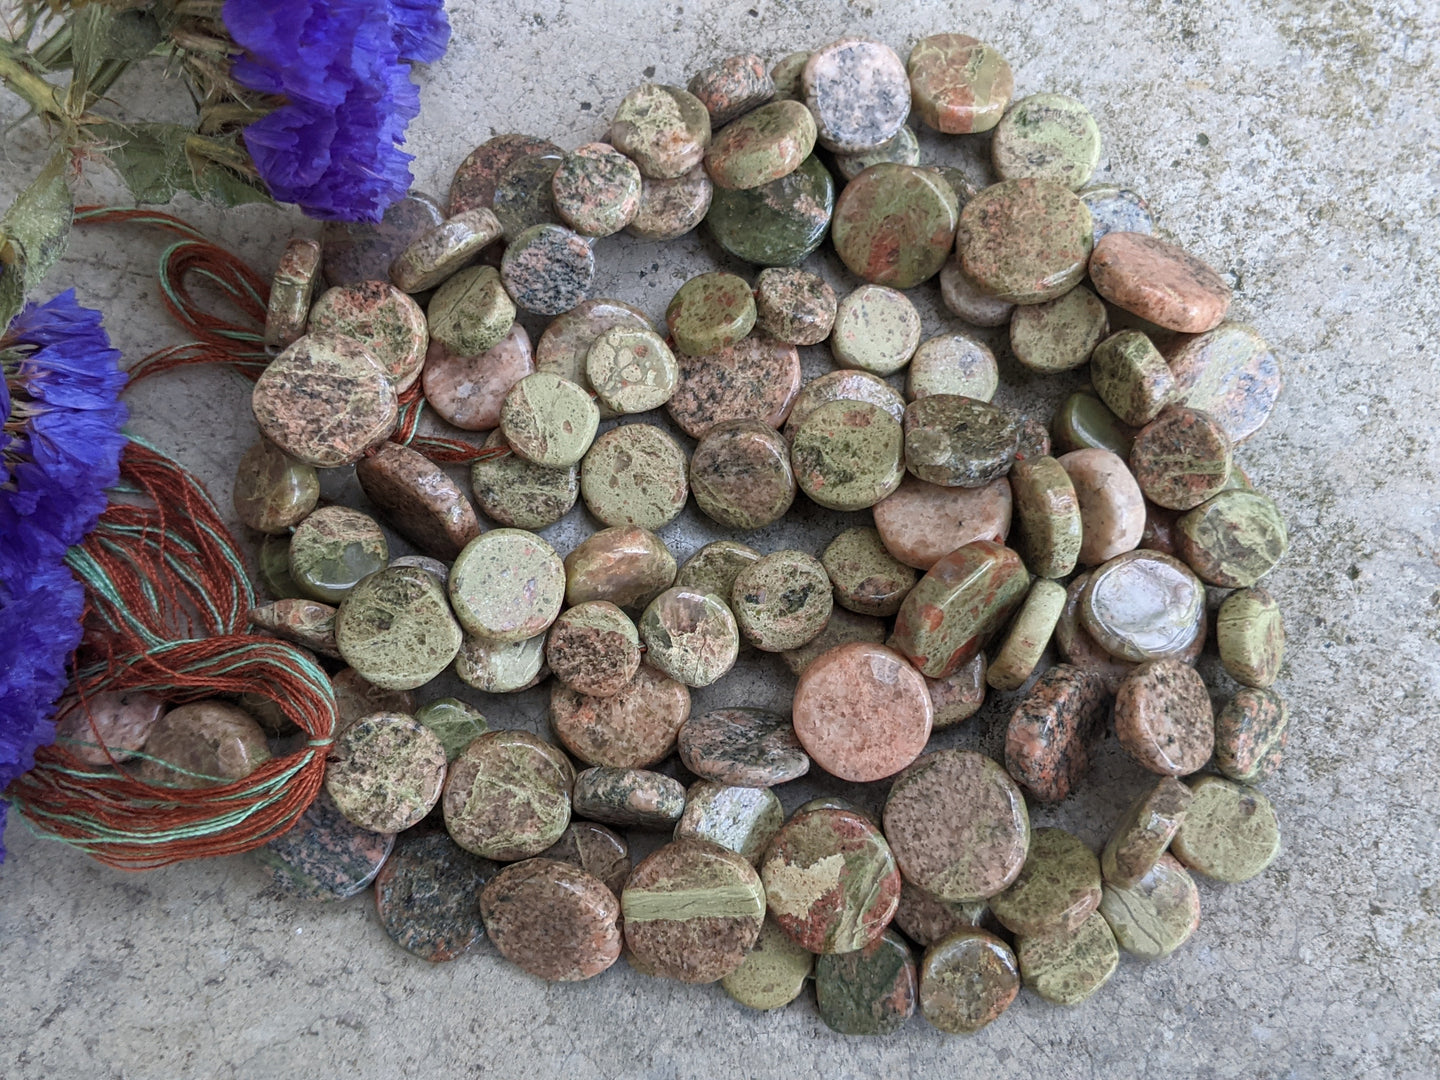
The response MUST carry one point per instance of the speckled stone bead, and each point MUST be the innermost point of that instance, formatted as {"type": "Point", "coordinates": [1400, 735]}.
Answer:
{"type": "Point", "coordinates": [744, 747]}
{"type": "Point", "coordinates": [501, 667]}
{"type": "Point", "coordinates": [740, 819]}
{"type": "Point", "coordinates": [830, 880]}
{"type": "Point", "coordinates": [453, 722]}
{"type": "Point", "coordinates": [552, 920]}
{"type": "Point", "coordinates": [519, 493]}
{"type": "Point", "coordinates": [1163, 718]}
{"type": "Point", "coordinates": [663, 129]}
{"type": "Point", "coordinates": [593, 650]}
{"type": "Point", "coordinates": [895, 224]}
{"type": "Point", "coordinates": [438, 253]}
{"type": "Point", "coordinates": [958, 825]}
{"type": "Point", "coordinates": [847, 455]}
{"type": "Point", "coordinates": [385, 772]}
{"type": "Point", "coordinates": [715, 566]}
{"type": "Point", "coordinates": [761, 146]}
{"type": "Point", "coordinates": [474, 182]}
{"type": "Point", "coordinates": [273, 491]}
{"type": "Point", "coordinates": [1078, 648]}
{"type": "Point", "coordinates": [959, 605]}
{"type": "Point", "coordinates": [1229, 832]}
{"type": "Point", "coordinates": [1065, 967]}
{"type": "Point", "coordinates": [741, 475]}
{"type": "Point", "coordinates": [471, 312]}
{"type": "Point", "coordinates": [1024, 241]}
{"type": "Point", "coordinates": [867, 578]}
{"type": "Point", "coordinates": [773, 973]}
{"type": "Point", "coordinates": [507, 796]}
{"type": "Point", "coordinates": [877, 329]}
{"type": "Point", "coordinates": [594, 849]}
{"type": "Point", "coordinates": [959, 182]}
{"type": "Point", "coordinates": [419, 499]}
{"type": "Point", "coordinates": [957, 441]}
{"type": "Point", "coordinates": [842, 628]}
{"type": "Point", "coordinates": [1049, 738]}
{"type": "Point", "coordinates": [1229, 373]}
{"type": "Point", "coordinates": [786, 76]}
{"type": "Point", "coordinates": [596, 190]}
{"type": "Point", "coordinates": [631, 370]}
{"type": "Point", "coordinates": [325, 400]}
{"type": "Point", "coordinates": [1112, 509]}
{"type": "Point", "coordinates": [1250, 735]}
{"type": "Point", "coordinates": [1131, 377]}
{"type": "Point", "coordinates": [782, 601]}
{"type": "Point", "coordinates": [1251, 636]}
{"type": "Point", "coordinates": [756, 378]}
{"type": "Point", "coordinates": [1058, 887]}
{"type": "Point", "coordinates": [1046, 137]}
{"type": "Point", "coordinates": [356, 699]}
{"type": "Point", "coordinates": [967, 300]}
{"type": "Point", "coordinates": [547, 269]}
{"type": "Point", "coordinates": [353, 251]}
{"type": "Point", "coordinates": [1156, 915]}
{"type": "Point", "coordinates": [732, 87]}
{"type": "Point", "coordinates": [794, 306]}
{"type": "Point", "coordinates": [1032, 440]}
{"type": "Point", "coordinates": [625, 565]}
{"type": "Point", "coordinates": [468, 391]}
{"type": "Point", "coordinates": [778, 223]}
{"type": "Point", "coordinates": [564, 347]}
{"type": "Point", "coordinates": [117, 721]}
{"type": "Point", "coordinates": [671, 208]}
{"type": "Point", "coordinates": [1160, 526]}
{"type": "Point", "coordinates": [635, 475]}
{"type": "Point", "coordinates": [507, 585]}
{"type": "Point", "coordinates": [709, 312]}
{"type": "Point", "coordinates": [903, 149]}
{"type": "Point", "coordinates": [959, 85]}
{"type": "Point", "coordinates": [922, 523]}
{"type": "Point", "coordinates": [1142, 835]}
{"type": "Point", "coordinates": [549, 420]}
{"type": "Point", "coordinates": [1160, 282]}
{"type": "Point", "coordinates": [1060, 334]}
{"type": "Point", "coordinates": [859, 93]}
{"type": "Point", "coordinates": [952, 364]}
{"type": "Point", "coordinates": [958, 696]}
{"type": "Point", "coordinates": [870, 991]}
{"type": "Point", "coordinates": [633, 728]}
{"type": "Point", "coordinates": [1234, 539]}
{"type": "Point", "coordinates": [843, 385]}
{"type": "Point", "coordinates": [325, 856]}
{"type": "Point", "coordinates": [1084, 423]}
{"type": "Point", "coordinates": [692, 911]}
{"type": "Point", "coordinates": [1047, 517]}
{"type": "Point", "coordinates": [523, 198]}
{"type": "Point", "coordinates": [1028, 635]}
{"type": "Point", "coordinates": [291, 291]}
{"type": "Point", "coordinates": [925, 920]}
{"type": "Point", "coordinates": [1181, 458]}
{"type": "Point", "coordinates": [333, 549]}
{"type": "Point", "coordinates": [434, 567]}
{"type": "Point", "coordinates": [690, 636]}
{"type": "Point", "coordinates": [967, 980]}
{"type": "Point", "coordinates": [395, 628]}
{"type": "Point", "coordinates": [1116, 209]}
{"type": "Point", "coordinates": [1143, 606]}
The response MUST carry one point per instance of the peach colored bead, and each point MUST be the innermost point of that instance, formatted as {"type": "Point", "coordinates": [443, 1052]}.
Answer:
{"type": "Point", "coordinates": [1112, 510]}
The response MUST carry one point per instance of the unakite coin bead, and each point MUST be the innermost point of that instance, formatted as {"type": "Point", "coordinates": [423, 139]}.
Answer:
{"type": "Point", "coordinates": [959, 85]}
{"type": "Point", "coordinates": [847, 455]}
{"type": "Point", "coordinates": [959, 605]}
{"type": "Point", "coordinates": [507, 585]}
{"type": "Point", "coordinates": [274, 564]}
{"type": "Point", "coordinates": [1024, 241]}
{"type": "Point", "coordinates": [547, 269]}
{"type": "Point", "coordinates": [877, 329]}
{"type": "Point", "coordinates": [1067, 966]}
{"type": "Point", "coordinates": [761, 146]}
{"type": "Point", "coordinates": [564, 347]}
{"type": "Point", "coordinates": [500, 667]}
{"type": "Point", "coordinates": [741, 474]}
{"type": "Point", "coordinates": [592, 649]}
{"type": "Point", "coordinates": [1156, 915]}
{"type": "Point", "coordinates": [385, 772]}
{"type": "Point", "coordinates": [1229, 833]}
{"type": "Point", "coordinates": [635, 475]}
{"type": "Point", "coordinates": [757, 378]}
{"type": "Point", "coordinates": [507, 796]}
{"type": "Point", "coordinates": [1181, 458]}
{"type": "Point", "coordinates": [709, 312]}
{"type": "Point", "coordinates": [786, 76]}
{"type": "Point", "coordinates": [732, 88]}
{"type": "Point", "coordinates": [325, 856]}
{"type": "Point", "coordinates": [1116, 209]}
{"type": "Point", "coordinates": [952, 364]}
{"type": "Point", "coordinates": [418, 499]}
{"type": "Point", "coordinates": [867, 578]}
{"type": "Point", "coordinates": [1058, 887]}
{"type": "Point", "coordinates": [435, 255]}
{"type": "Point", "coordinates": [745, 747]}
{"type": "Point", "coordinates": [388, 323]}
{"type": "Point", "coordinates": [957, 441]}
{"type": "Point", "coordinates": [715, 566]}
{"type": "Point", "coordinates": [425, 896]}
{"type": "Point", "coordinates": [903, 149]}
{"type": "Point", "coordinates": [870, 991]}
{"type": "Point", "coordinates": [1084, 423]}
{"type": "Point", "coordinates": [1028, 636]}
{"type": "Point", "coordinates": [925, 920]}
{"type": "Point", "coordinates": [1047, 137]}
{"type": "Point", "coordinates": [663, 129]}
{"type": "Point", "coordinates": [773, 973]}
{"type": "Point", "coordinates": [775, 224]}
{"type": "Point", "coordinates": [1143, 606]}
{"type": "Point", "coordinates": [632, 370]}
{"type": "Point", "coordinates": [1060, 334]}
{"type": "Point", "coordinates": [690, 636]}
{"type": "Point", "coordinates": [596, 850]}
{"type": "Point", "coordinates": [453, 722]}
{"type": "Point", "coordinates": [967, 300]}
{"type": "Point", "coordinates": [628, 798]}
{"type": "Point", "coordinates": [1142, 835]}
{"type": "Point", "coordinates": [596, 190]}
{"type": "Point", "coordinates": [519, 493]}
{"type": "Point", "coordinates": [740, 819]}
{"type": "Point", "coordinates": [549, 420]}
{"type": "Point", "coordinates": [1131, 377]}
{"type": "Point", "coordinates": [523, 195]}
{"type": "Point", "coordinates": [202, 744]}
{"type": "Point", "coordinates": [1232, 374]}
{"type": "Point", "coordinates": [333, 549]}
{"type": "Point", "coordinates": [1047, 517]}
{"type": "Point", "coordinates": [967, 979]}
{"type": "Point", "coordinates": [395, 628]}
{"type": "Point", "coordinates": [843, 386]}
{"type": "Point", "coordinates": [273, 491]}
{"type": "Point", "coordinates": [471, 312]}
{"type": "Point", "coordinates": [626, 565]}
{"type": "Point", "coordinates": [1250, 735]}
{"type": "Point", "coordinates": [292, 290]}
{"type": "Point", "coordinates": [782, 601]}
{"type": "Point", "coordinates": [671, 208]}
{"type": "Point", "coordinates": [1234, 539]}
{"type": "Point", "coordinates": [895, 224]}
{"type": "Point", "coordinates": [794, 305]}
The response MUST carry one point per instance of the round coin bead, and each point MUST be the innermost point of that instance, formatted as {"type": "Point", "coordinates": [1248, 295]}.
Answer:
{"type": "Point", "coordinates": [1143, 606]}
{"type": "Point", "coordinates": [521, 494]}
{"type": "Point", "coordinates": [847, 455]}
{"type": "Point", "coordinates": [273, 491]}
{"type": "Point", "coordinates": [867, 578]}
{"type": "Point", "coordinates": [596, 850]}
{"type": "Point", "coordinates": [715, 566]}
{"type": "Point", "coordinates": [1024, 241]}
{"type": "Point", "coordinates": [895, 224]}
{"type": "Point", "coordinates": [418, 499]}
{"type": "Point", "coordinates": [967, 979]}
{"type": "Point", "coordinates": [1181, 458]}
{"type": "Point", "coordinates": [757, 378]}
{"type": "Point", "coordinates": [773, 973]}
{"type": "Point", "coordinates": [1131, 377]}
{"type": "Point", "coordinates": [500, 667]}
{"type": "Point", "coordinates": [631, 370]}
{"type": "Point", "coordinates": [552, 920]}
{"type": "Point", "coordinates": [877, 329]}
{"type": "Point", "coordinates": [523, 194]}
{"type": "Point", "coordinates": [593, 649]}
{"type": "Point", "coordinates": [438, 253]}
{"type": "Point", "coordinates": [474, 182]}
{"type": "Point", "coordinates": [690, 636]}
{"type": "Point", "coordinates": [959, 84]}
{"type": "Point", "coordinates": [959, 605]}
{"type": "Point", "coordinates": [778, 223]}
{"type": "Point", "coordinates": [633, 728]}
{"type": "Point", "coordinates": [1229, 373]}
{"type": "Point", "coordinates": [1067, 966]}
{"type": "Point", "coordinates": [1058, 335]}
{"type": "Point", "coordinates": [628, 798]}
{"type": "Point", "coordinates": [1229, 833]}
{"type": "Point", "coordinates": [1163, 718]}
{"type": "Point", "coordinates": [957, 441]}
{"type": "Point", "coordinates": [325, 856]}
{"type": "Point", "coordinates": [547, 269]}
{"type": "Point", "coordinates": [922, 523]}
{"type": "Point", "coordinates": [596, 190]}
{"type": "Point", "coordinates": [858, 92]}
{"type": "Point", "coordinates": [1057, 889]}
{"type": "Point", "coordinates": [549, 420]}
{"type": "Point", "coordinates": [385, 772]}
{"type": "Point", "coordinates": [1160, 282]}
{"type": "Point", "coordinates": [740, 819]}
{"type": "Point", "coordinates": [671, 208]}
{"type": "Point", "coordinates": [1112, 508]}
{"type": "Point", "coordinates": [626, 565]}
{"type": "Point", "coordinates": [1251, 635]}
{"type": "Point", "coordinates": [471, 312]}
{"type": "Point", "coordinates": [395, 628]}
{"type": "Point", "coordinates": [634, 474]}
{"type": "Point", "coordinates": [746, 747]}
{"type": "Point", "coordinates": [903, 149]}
{"type": "Point", "coordinates": [868, 991]}
{"type": "Point", "coordinates": [1156, 915]}
{"type": "Point", "coordinates": [1047, 137]}
{"type": "Point", "coordinates": [507, 796]}
{"type": "Point", "coordinates": [333, 549]}
{"type": "Point", "coordinates": [1048, 517]}
{"type": "Point", "coordinates": [1233, 539]}
{"type": "Point", "coordinates": [741, 475]}
{"type": "Point", "coordinates": [952, 364]}
{"type": "Point", "coordinates": [468, 391]}
{"type": "Point", "coordinates": [507, 585]}
{"type": "Point", "coordinates": [564, 347]}
{"type": "Point", "coordinates": [843, 386]}
{"type": "Point", "coordinates": [794, 306]}
{"type": "Point", "coordinates": [761, 146]}
{"type": "Point", "coordinates": [732, 88]}
{"type": "Point", "coordinates": [709, 312]}
{"type": "Point", "coordinates": [782, 601]}
{"type": "Point", "coordinates": [663, 129]}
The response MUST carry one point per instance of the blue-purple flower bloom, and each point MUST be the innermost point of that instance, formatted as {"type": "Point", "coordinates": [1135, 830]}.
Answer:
{"type": "Point", "coordinates": [342, 68]}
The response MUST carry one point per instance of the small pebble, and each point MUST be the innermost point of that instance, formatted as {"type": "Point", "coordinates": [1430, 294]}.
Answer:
{"type": "Point", "coordinates": [292, 290]}
{"type": "Point", "coordinates": [1058, 335]}
{"type": "Point", "coordinates": [843, 385]}
{"type": "Point", "coordinates": [564, 347]}
{"type": "Point", "coordinates": [967, 980]}
{"type": "Point", "coordinates": [1048, 517]}
{"type": "Point", "coordinates": [552, 920]}
{"type": "Point", "coordinates": [757, 378]}
{"type": "Point", "coordinates": [354, 251]}
{"type": "Point", "coordinates": [453, 722]}
{"type": "Point", "coordinates": [1229, 833]}
{"type": "Point", "coordinates": [1065, 967]}
{"type": "Point", "coordinates": [1046, 137]}
{"type": "Point", "coordinates": [519, 493]}
{"type": "Point", "coordinates": [395, 628]}
{"type": "Point", "coordinates": [635, 475]}
{"type": "Point", "coordinates": [633, 728]}
{"type": "Point", "coordinates": [1156, 915]}
{"type": "Point", "coordinates": [596, 850]}
{"type": "Point", "coordinates": [549, 420]}
{"type": "Point", "coordinates": [922, 523]}
{"type": "Point", "coordinates": [1229, 373]}
{"type": "Point", "coordinates": [764, 145]}
{"type": "Point", "coordinates": [419, 499]}
{"type": "Point", "coordinates": [1112, 509]}
{"type": "Point", "coordinates": [958, 441]}
{"type": "Point", "coordinates": [1142, 835]}
{"type": "Point", "coordinates": [1116, 209]}
{"type": "Point", "coordinates": [778, 223]}
{"type": "Point", "coordinates": [355, 699]}
{"type": "Point", "coordinates": [631, 370]}
{"type": "Point", "coordinates": [507, 796]}
{"type": "Point", "coordinates": [547, 269]}
{"type": "Point", "coordinates": [786, 76]}
{"type": "Point", "coordinates": [690, 636]}
{"type": "Point", "coordinates": [895, 224]}
{"type": "Point", "coordinates": [1028, 636]}
{"type": "Point", "coordinates": [744, 747]}
{"type": "Point", "coordinates": [1160, 282]}
{"type": "Point", "coordinates": [952, 364]}
{"type": "Point", "coordinates": [843, 628]}
{"type": "Point", "coordinates": [967, 300]}
{"type": "Point", "coordinates": [847, 455]}
{"type": "Point", "coordinates": [1143, 606]}
{"type": "Point", "coordinates": [741, 475]}
{"type": "Point", "coordinates": [958, 696]}
{"type": "Point", "coordinates": [732, 88]}
{"type": "Point", "coordinates": [1050, 735]}
{"type": "Point", "coordinates": [1024, 241]}
{"type": "Point", "coordinates": [959, 605]}
{"type": "Point", "coordinates": [596, 190]}
{"type": "Point", "coordinates": [273, 491]}
{"type": "Point", "coordinates": [774, 972]}
{"type": "Point", "coordinates": [663, 129]}
{"type": "Point", "coordinates": [877, 329]}
{"type": "Point", "coordinates": [1163, 718]}
{"type": "Point", "coordinates": [1181, 458]}
{"type": "Point", "coordinates": [794, 306]}
{"type": "Point", "coordinates": [474, 181]}
{"type": "Point", "coordinates": [714, 568]}
{"type": "Point", "coordinates": [324, 856]}
{"type": "Point", "coordinates": [671, 208]}
{"type": "Point", "coordinates": [858, 92]}
{"type": "Point", "coordinates": [903, 149]}
{"type": "Point", "coordinates": [468, 391]}
{"type": "Point", "coordinates": [867, 578]}
{"type": "Point", "coordinates": [959, 85]}
{"type": "Point", "coordinates": [439, 253]}
{"type": "Point", "coordinates": [1234, 539]}
{"type": "Point", "coordinates": [925, 920]}
{"type": "Point", "coordinates": [1058, 887]}
{"type": "Point", "coordinates": [385, 772]}
{"type": "Point", "coordinates": [523, 195]}
{"type": "Point", "coordinates": [333, 549]}
{"type": "Point", "coordinates": [500, 667]}
{"type": "Point", "coordinates": [1131, 377]}
{"type": "Point", "coordinates": [470, 313]}
{"type": "Point", "coordinates": [709, 312]}
{"type": "Point", "coordinates": [1084, 423]}
{"type": "Point", "coordinates": [782, 601]}
{"type": "Point", "coordinates": [870, 991]}
{"type": "Point", "coordinates": [593, 650]}
{"type": "Point", "coordinates": [117, 721]}
{"type": "Point", "coordinates": [507, 585]}
{"type": "Point", "coordinates": [1250, 735]}
{"type": "Point", "coordinates": [427, 896]}
{"type": "Point", "coordinates": [740, 819]}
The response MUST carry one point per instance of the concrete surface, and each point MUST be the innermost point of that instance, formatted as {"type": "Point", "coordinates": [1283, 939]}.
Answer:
{"type": "Point", "coordinates": [1292, 144]}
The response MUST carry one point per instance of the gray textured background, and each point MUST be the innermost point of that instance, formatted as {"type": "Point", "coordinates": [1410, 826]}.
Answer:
{"type": "Point", "coordinates": [1293, 145]}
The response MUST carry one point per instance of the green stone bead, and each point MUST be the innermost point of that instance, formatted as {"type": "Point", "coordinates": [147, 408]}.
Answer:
{"type": "Point", "coordinates": [967, 979]}
{"type": "Point", "coordinates": [1060, 334]}
{"type": "Point", "coordinates": [521, 494]}
{"type": "Point", "coordinates": [1229, 833]}
{"type": "Point", "coordinates": [1181, 458]}
{"type": "Point", "coordinates": [903, 149]}
{"type": "Point", "coordinates": [663, 129]}
{"type": "Point", "coordinates": [1024, 241]}
{"type": "Point", "coordinates": [895, 224]}
{"type": "Point", "coordinates": [524, 195]}
{"type": "Point", "coordinates": [775, 224]}
{"type": "Point", "coordinates": [871, 991]}
{"type": "Point", "coordinates": [782, 601]}
{"type": "Point", "coordinates": [1144, 833]}
{"type": "Point", "coordinates": [1084, 423]}
{"type": "Point", "coordinates": [333, 549]}
{"type": "Point", "coordinates": [1156, 915]}
{"type": "Point", "coordinates": [740, 819]}
{"type": "Point", "coordinates": [690, 636]}
{"type": "Point", "coordinates": [501, 667]}
{"type": "Point", "coordinates": [507, 795]}
{"type": "Point", "coordinates": [1028, 636]}
{"type": "Point", "coordinates": [773, 973]}
{"type": "Point", "coordinates": [763, 145]}
{"type": "Point", "coordinates": [629, 798]}
{"type": "Point", "coordinates": [957, 441]}
{"type": "Point", "coordinates": [1067, 966]}
{"type": "Point", "coordinates": [714, 568]}
{"type": "Point", "coordinates": [596, 190]}
{"type": "Point", "coordinates": [1058, 887]}
{"type": "Point", "coordinates": [1131, 377]}
{"type": "Point", "coordinates": [385, 772]}
{"type": "Point", "coordinates": [1047, 517]}
{"type": "Point", "coordinates": [1234, 539]}
{"type": "Point", "coordinates": [626, 565]}
{"type": "Point", "coordinates": [709, 312]}
{"type": "Point", "coordinates": [395, 629]}
{"type": "Point", "coordinates": [292, 290]}
{"type": "Point", "coordinates": [741, 474]}
{"type": "Point", "coordinates": [877, 330]}
{"type": "Point", "coordinates": [867, 578]}
{"type": "Point", "coordinates": [454, 723]}
{"type": "Point", "coordinates": [273, 491]}
{"type": "Point", "coordinates": [786, 76]}
{"type": "Point", "coordinates": [1250, 735]}
{"type": "Point", "coordinates": [274, 563]}
{"type": "Point", "coordinates": [631, 370]}
{"type": "Point", "coordinates": [1047, 137]}
{"type": "Point", "coordinates": [471, 312]}
{"type": "Point", "coordinates": [635, 475]}
{"type": "Point", "coordinates": [507, 585]}
{"type": "Point", "coordinates": [794, 306]}
{"type": "Point", "coordinates": [953, 364]}
{"type": "Point", "coordinates": [439, 253]}
{"type": "Point", "coordinates": [848, 455]}
{"type": "Point", "coordinates": [958, 606]}
{"type": "Point", "coordinates": [1251, 635]}
{"type": "Point", "coordinates": [549, 420]}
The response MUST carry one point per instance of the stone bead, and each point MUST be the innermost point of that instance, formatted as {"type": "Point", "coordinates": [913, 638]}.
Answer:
{"type": "Point", "coordinates": [395, 629]}
{"type": "Point", "coordinates": [1084, 423]}
{"type": "Point", "coordinates": [762, 146]}
{"type": "Point", "coordinates": [743, 747]}
{"type": "Point", "coordinates": [958, 696]}
{"type": "Point", "coordinates": [325, 400]}
{"type": "Point", "coordinates": [709, 312]}
{"type": "Point", "coordinates": [117, 721]}
{"type": "Point", "coordinates": [967, 980]}
{"type": "Point", "coordinates": [500, 667]}
{"type": "Point", "coordinates": [671, 208]}
{"type": "Point", "coordinates": [843, 386]}
{"type": "Point", "coordinates": [690, 636]}
{"type": "Point", "coordinates": [385, 772]}
{"type": "Point", "coordinates": [564, 347]}
{"type": "Point", "coordinates": [1229, 373]}
{"type": "Point", "coordinates": [1032, 440]}
{"type": "Point", "coordinates": [1142, 835]}
{"type": "Point", "coordinates": [830, 880]}
{"type": "Point", "coordinates": [757, 378]}
{"type": "Point", "coordinates": [870, 991]}
{"type": "Point", "coordinates": [903, 149]}
{"type": "Point", "coordinates": [1159, 282]}
{"type": "Point", "coordinates": [740, 819]}
{"type": "Point", "coordinates": [1046, 137]}
{"type": "Point", "coordinates": [631, 370]}
{"type": "Point", "coordinates": [1051, 732]}
{"type": "Point", "coordinates": [507, 796]}
{"type": "Point", "coordinates": [203, 744]}
{"type": "Point", "coordinates": [844, 627]}
{"type": "Point", "coordinates": [471, 312]}
{"type": "Point", "coordinates": [778, 223]}
{"type": "Point", "coordinates": [629, 798]}
{"type": "Point", "coordinates": [692, 911]}
{"type": "Point", "coordinates": [968, 300]}
{"type": "Point", "coordinates": [523, 195]}
{"type": "Point", "coordinates": [877, 329]}
{"type": "Point", "coordinates": [419, 499]}
{"type": "Point", "coordinates": [714, 568]}
{"type": "Point", "coordinates": [273, 491]}
{"type": "Point", "coordinates": [1066, 966]}
{"type": "Point", "coordinates": [1233, 539]}
{"type": "Point", "coordinates": [952, 364]}
{"type": "Point", "coordinates": [1060, 334]}
{"type": "Point", "coordinates": [474, 181]}
{"type": "Point", "coordinates": [925, 920]}
{"type": "Point", "coordinates": [292, 290]}
{"type": "Point", "coordinates": [663, 129]}
{"type": "Point", "coordinates": [434, 567]}
{"type": "Point", "coordinates": [354, 251]}
{"type": "Point", "coordinates": [1156, 915]}
{"type": "Point", "coordinates": [786, 76]}
{"type": "Point", "coordinates": [1250, 735]}
{"type": "Point", "coordinates": [1078, 648]}
{"type": "Point", "coordinates": [895, 224]}
{"type": "Point", "coordinates": [859, 93]}
{"type": "Point", "coordinates": [468, 391]}
{"type": "Point", "coordinates": [1143, 606]}
{"type": "Point", "coordinates": [957, 441]}
{"type": "Point", "coordinates": [1112, 509]}
{"type": "Point", "coordinates": [552, 920]}
{"type": "Point", "coordinates": [958, 825]}
{"type": "Point", "coordinates": [1229, 833]}
{"type": "Point", "coordinates": [959, 605]}
{"type": "Point", "coordinates": [959, 85]}
{"type": "Point", "coordinates": [596, 190]}
{"type": "Point", "coordinates": [1024, 241]}
{"type": "Point", "coordinates": [507, 585]}
{"type": "Point", "coordinates": [519, 493]}
{"type": "Point", "coordinates": [547, 269]}
{"type": "Point", "coordinates": [782, 601]}
{"type": "Point", "coordinates": [741, 475]}
{"type": "Point", "coordinates": [959, 182]}
{"type": "Point", "coordinates": [333, 549]}
{"type": "Point", "coordinates": [1116, 209]}
{"type": "Point", "coordinates": [549, 420]}
{"type": "Point", "coordinates": [922, 523]}
{"type": "Point", "coordinates": [1057, 890]}
{"type": "Point", "coordinates": [1131, 377]}
{"type": "Point", "coordinates": [595, 849]}
{"type": "Point", "coordinates": [593, 650]}
{"type": "Point", "coordinates": [438, 253]}
{"type": "Point", "coordinates": [773, 973]}
{"type": "Point", "coordinates": [1181, 458]}
{"type": "Point", "coordinates": [867, 578]}
{"type": "Point", "coordinates": [794, 306]}
{"type": "Point", "coordinates": [632, 728]}
{"type": "Point", "coordinates": [1028, 636]}
{"type": "Point", "coordinates": [847, 455]}
{"type": "Point", "coordinates": [453, 722]}
{"type": "Point", "coordinates": [324, 856]}
{"type": "Point", "coordinates": [1048, 513]}
{"type": "Point", "coordinates": [1163, 718]}
{"type": "Point", "coordinates": [634, 475]}
{"type": "Point", "coordinates": [355, 699]}
{"type": "Point", "coordinates": [389, 324]}
{"type": "Point", "coordinates": [732, 88]}
{"type": "Point", "coordinates": [1160, 528]}
{"type": "Point", "coordinates": [625, 565]}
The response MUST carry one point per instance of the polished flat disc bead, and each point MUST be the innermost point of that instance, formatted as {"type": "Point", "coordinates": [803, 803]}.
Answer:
{"type": "Point", "coordinates": [1084, 423]}
{"type": "Point", "coordinates": [1112, 508]}
{"type": "Point", "coordinates": [631, 370]}
{"type": "Point", "coordinates": [273, 491]}
{"type": "Point", "coordinates": [453, 722]}
{"type": "Point", "coordinates": [396, 629]}
{"type": "Point", "coordinates": [958, 441]}
{"type": "Point", "coordinates": [1163, 718]}
{"type": "Point", "coordinates": [761, 146]}
{"type": "Point", "coordinates": [596, 850]}
{"type": "Point", "coordinates": [690, 636]}
{"type": "Point", "coordinates": [419, 499]}
{"type": "Point", "coordinates": [292, 290]}
{"type": "Point", "coordinates": [388, 323]}
{"type": "Point", "coordinates": [1141, 837]}
{"type": "Point", "coordinates": [523, 196]}
{"type": "Point", "coordinates": [552, 920]}
{"type": "Point", "coordinates": [709, 312]}
{"type": "Point", "coordinates": [385, 772]}
{"type": "Point", "coordinates": [1143, 606]}
{"type": "Point", "coordinates": [519, 493]}
{"type": "Point", "coordinates": [634, 474]}
{"type": "Point", "coordinates": [473, 185]}
{"type": "Point", "coordinates": [1251, 636]}
{"type": "Point", "coordinates": [507, 796]}
{"type": "Point", "coordinates": [967, 979]}
{"type": "Point", "coordinates": [958, 696]}
{"type": "Point", "coordinates": [778, 223]}
{"type": "Point", "coordinates": [848, 455]}
{"type": "Point", "coordinates": [959, 84]}
{"type": "Point", "coordinates": [507, 585]}
{"type": "Point", "coordinates": [1067, 966]}
{"type": "Point", "coordinates": [922, 523]}
{"type": "Point", "coordinates": [501, 667]}
{"type": "Point", "coordinates": [593, 650]}
{"type": "Point", "coordinates": [1181, 458]}
{"type": "Point", "coordinates": [333, 549]}
{"type": "Point", "coordinates": [952, 364]}
{"type": "Point", "coordinates": [867, 578]}
{"type": "Point", "coordinates": [1131, 377]}
{"type": "Point", "coordinates": [714, 568]}
{"type": "Point", "coordinates": [843, 385]}
{"type": "Point", "coordinates": [903, 149]}
{"type": "Point", "coordinates": [671, 208]}
{"type": "Point", "coordinates": [1250, 735]}
{"type": "Point", "coordinates": [1058, 887]}
{"type": "Point", "coordinates": [1028, 636]}
{"type": "Point", "coordinates": [356, 251]}
{"type": "Point", "coordinates": [1024, 241]}
{"type": "Point", "coordinates": [741, 476]}
{"type": "Point", "coordinates": [877, 329]}
{"type": "Point", "coordinates": [325, 856]}
{"type": "Point", "coordinates": [633, 728]}
{"type": "Point", "coordinates": [732, 88]}
{"type": "Point", "coordinates": [1229, 373]}
{"type": "Point", "coordinates": [925, 920]}
{"type": "Point", "coordinates": [549, 420]}
{"type": "Point", "coordinates": [471, 312]}
{"type": "Point", "coordinates": [1233, 539]}
{"type": "Point", "coordinates": [794, 306]}
{"type": "Point", "coordinates": [1052, 730]}
{"type": "Point", "coordinates": [663, 129]}
{"type": "Point", "coordinates": [785, 75]}
{"type": "Point", "coordinates": [773, 973]}
{"type": "Point", "coordinates": [842, 628]}
{"type": "Point", "coordinates": [109, 724]}
{"type": "Point", "coordinates": [782, 601]}
{"type": "Point", "coordinates": [757, 378]}
{"type": "Point", "coordinates": [870, 991]}
{"type": "Point", "coordinates": [564, 347]}
{"type": "Point", "coordinates": [858, 92]}
{"type": "Point", "coordinates": [740, 819]}
{"type": "Point", "coordinates": [596, 190]}
{"type": "Point", "coordinates": [959, 605]}
{"type": "Point", "coordinates": [967, 300]}
{"type": "Point", "coordinates": [1156, 915]}
{"type": "Point", "coordinates": [1048, 517]}
{"type": "Point", "coordinates": [1160, 282]}
{"type": "Point", "coordinates": [1046, 137]}
{"type": "Point", "coordinates": [435, 255]}
{"type": "Point", "coordinates": [1229, 833]}
{"type": "Point", "coordinates": [547, 269]}
{"type": "Point", "coordinates": [628, 798]}
{"type": "Point", "coordinates": [626, 565]}
{"type": "Point", "coordinates": [895, 224]}
{"type": "Point", "coordinates": [748, 747]}
{"type": "Point", "coordinates": [1058, 335]}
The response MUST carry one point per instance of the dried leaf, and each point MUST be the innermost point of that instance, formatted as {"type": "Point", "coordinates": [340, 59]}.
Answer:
{"type": "Point", "coordinates": [155, 162]}
{"type": "Point", "coordinates": [33, 234]}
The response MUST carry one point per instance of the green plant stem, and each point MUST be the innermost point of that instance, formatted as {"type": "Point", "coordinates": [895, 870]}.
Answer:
{"type": "Point", "coordinates": [222, 154]}
{"type": "Point", "coordinates": [53, 53]}
{"type": "Point", "coordinates": [30, 87]}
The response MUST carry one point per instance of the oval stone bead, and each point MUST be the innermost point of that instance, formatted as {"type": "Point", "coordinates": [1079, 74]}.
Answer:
{"type": "Point", "coordinates": [1234, 539]}
{"type": "Point", "coordinates": [273, 491]}
{"type": "Point", "coordinates": [958, 441]}
{"type": "Point", "coordinates": [761, 146]}
{"type": "Point", "coordinates": [741, 475]}
{"type": "Point", "coordinates": [1058, 887]}
{"type": "Point", "coordinates": [1251, 636]}
{"type": "Point", "coordinates": [625, 565]}
{"type": "Point", "coordinates": [1048, 517]}
{"type": "Point", "coordinates": [552, 920]}
{"type": "Point", "coordinates": [292, 290]}
{"type": "Point", "coordinates": [1067, 966]}
{"type": "Point", "coordinates": [709, 312]}
{"type": "Point", "coordinates": [960, 603]}
{"type": "Point", "coordinates": [110, 724]}
{"type": "Point", "coordinates": [732, 88]}
{"type": "Point", "coordinates": [749, 747]}
{"type": "Point", "coordinates": [1230, 373]}
{"type": "Point", "coordinates": [1159, 282]}
{"type": "Point", "coordinates": [325, 856]}
{"type": "Point", "coordinates": [967, 979]}
{"type": "Point", "coordinates": [922, 523]}
{"type": "Point", "coordinates": [1143, 606]}
{"type": "Point", "coordinates": [870, 991]}
{"type": "Point", "coordinates": [419, 499]}
{"type": "Point", "coordinates": [1112, 508]}
{"type": "Point", "coordinates": [628, 798]}
{"type": "Point", "coordinates": [690, 636]}
{"type": "Point", "coordinates": [1229, 833]}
